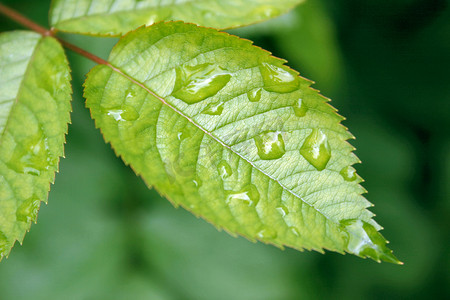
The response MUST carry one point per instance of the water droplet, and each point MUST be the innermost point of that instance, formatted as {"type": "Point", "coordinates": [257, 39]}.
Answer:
{"type": "Point", "coordinates": [31, 156]}
{"type": "Point", "coordinates": [277, 79]}
{"type": "Point", "coordinates": [196, 83]}
{"type": "Point", "coordinates": [364, 240]}
{"type": "Point", "coordinates": [198, 182]}
{"type": "Point", "coordinates": [266, 11]}
{"type": "Point", "coordinates": [294, 230]}
{"type": "Point", "coordinates": [224, 169]}
{"type": "Point", "coordinates": [254, 95]}
{"type": "Point", "coordinates": [270, 145]}
{"type": "Point", "coordinates": [282, 210]}
{"type": "Point", "coordinates": [300, 108]}
{"type": "Point", "coordinates": [249, 195]}
{"type": "Point", "coordinates": [28, 210]}
{"type": "Point", "coordinates": [316, 149]}
{"type": "Point", "coordinates": [214, 108]}
{"type": "Point", "coordinates": [3, 245]}
{"type": "Point", "coordinates": [267, 234]}
{"type": "Point", "coordinates": [186, 132]}
{"type": "Point", "coordinates": [125, 113]}
{"type": "Point", "coordinates": [348, 173]}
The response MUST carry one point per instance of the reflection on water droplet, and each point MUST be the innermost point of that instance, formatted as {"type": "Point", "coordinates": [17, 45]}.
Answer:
{"type": "Point", "coordinates": [270, 145]}
{"type": "Point", "coordinates": [267, 234]}
{"type": "Point", "coordinates": [316, 149]}
{"type": "Point", "coordinates": [3, 245]}
{"type": "Point", "coordinates": [364, 240]}
{"type": "Point", "coordinates": [28, 210]}
{"type": "Point", "coordinates": [249, 195]}
{"type": "Point", "coordinates": [300, 108]}
{"type": "Point", "coordinates": [282, 210]}
{"type": "Point", "coordinates": [32, 156]}
{"type": "Point", "coordinates": [196, 83]}
{"type": "Point", "coordinates": [125, 113]}
{"type": "Point", "coordinates": [254, 95]}
{"type": "Point", "coordinates": [224, 169]}
{"type": "Point", "coordinates": [348, 173]}
{"type": "Point", "coordinates": [277, 79]}
{"type": "Point", "coordinates": [214, 108]}
{"type": "Point", "coordinates": [198, 182]}
{"type": "Point", "coordinates": [294, 230]}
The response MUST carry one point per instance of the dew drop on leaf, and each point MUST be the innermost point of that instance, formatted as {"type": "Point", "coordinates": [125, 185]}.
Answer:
{"type": "Point", "coordinates": [28, 210]}
{"type": "Point", "coordinates": [294, 230]}
{"type": "Point", "coordinates": [300, 108]}
{"type": "Point", "coordinates": [278, 80]}
{"type": "Point", "coordinates": [267, 11]}
{"type": "Point", "coordinates": [364, 240]}
{"type": "Point", "coordinates": [249, 196]}
{"type": "Point", "coordinates": [348, 173]}
{"type": "Point", "coordinates": [316, 149]}
{"type": "Point", "coordinates": [196, 83]}
{"type": "Point", "coordinates": [224, 169]}
{"type": "Point", "coordinates": [282, 210]}
{"type": "Point", "coordinates": [125, 113]}
{"type": "Point", "coordinates": [214, 109]}
{"type": "Point", "coordinates": [254, 95]}
{"type": "Point", "coordinates": [270, 145]}
{"type": "Point", "coordinates": [31, 156]}
{"type": "Point", "coordinates": [267, 234]}
{"type": "Point", "coordinates": [197, 182]}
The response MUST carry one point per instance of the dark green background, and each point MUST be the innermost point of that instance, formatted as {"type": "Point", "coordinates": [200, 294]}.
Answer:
{"type": "Point", "coordinates": [385, 64]}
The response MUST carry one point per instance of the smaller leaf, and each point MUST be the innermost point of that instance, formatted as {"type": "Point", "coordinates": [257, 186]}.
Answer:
{"type": "Point", "coordinates": [115, 18]}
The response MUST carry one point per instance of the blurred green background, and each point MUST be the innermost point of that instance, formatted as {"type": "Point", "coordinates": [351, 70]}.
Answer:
{"type": "Point", "coordinates": [385, 64]}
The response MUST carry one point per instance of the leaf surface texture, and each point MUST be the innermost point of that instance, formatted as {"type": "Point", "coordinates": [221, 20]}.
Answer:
{"type": "Point", "coordinates": [230, 133]}
{"type": "Point", "coordinates": [116, 17]}
{"type": "Point", "coordinates": [34, 113]}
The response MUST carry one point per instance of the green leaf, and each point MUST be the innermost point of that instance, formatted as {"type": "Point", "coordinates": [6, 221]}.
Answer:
{"type": "Point", "coordinates": [116, 17]}
{"type": "Point", "coordinates": [34, 113]}
{"type": "Point", "coordinates": [227, 131]}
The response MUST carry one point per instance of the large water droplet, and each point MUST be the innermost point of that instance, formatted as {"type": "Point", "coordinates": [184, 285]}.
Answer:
{"type": "Point", "coordinates": [282, 210]}
{"type": "Point", "coordinates": [270, 145]}
{"type": "Point", "coordinates": [196, 83]}
{"type": "Point", "coordinates": [224, 169]}
{"type": "Point", "coordinates": [300, 108]}
{"type": "Point", "coordinates": [125, 113]}
{"type": "Point", "coordinates": [254, 95]}
{"type": "Point", "coordinates": [249, 196]}
{"type": "Point", "coordinates": [277, 79]}
{"type": "Point", "coordinates": [348, 173]}
{"type": "Point", "coordinates": [364, 240]}
{"type": "Point", "coordinates": [316, 149]}
{"type": "Point", "coordinates": [28, 210]}
{"type": "Point", "coordinates": [3, 245]}
{"type": "Point", "coordinates": [267, 234]}
{"type": "Point", "coordinates": [31, 156]}
{"type": "Point", "coordinates": [214, 108]}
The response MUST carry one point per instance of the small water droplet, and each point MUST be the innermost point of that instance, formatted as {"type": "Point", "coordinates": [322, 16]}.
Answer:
{"type": "Point", "coordinates": [300, 108]}
{"type": "Point", "coordinates": [28, 210]}
{"type": "Point", "coordinates": [3, 245]}
{"type": "Point", "coordinates": [32, 156]}
{"type": "Point", "coordinates": [364, 240]}
{"type": "Point", "coordinates": [224, 169]}
{"type": "Point", "coordinates": [125, 113]}
{"type": "Point", "coordinates": [294, 230]}
{"type": "Point", "coordinates": [214, 109]}
{"type": "Point", "coordinates": [348, 173]}
{"type": "Point", "coordinates": [282, 210]}
{"type": "Point", "coordinates": [196, 83]}
{"type": "Point", "coordinates": [266, 11]}
{"type": "Point", "coordinates": [316, 149]}
{"type": "Point", "coordinates": [186, 132]}
{"type": "Point", "coordinates": [267, 234]}
{"type": "Point", "coordinates": [249, 195]}
{"type": "Point", "coordinates": [116, 114]}
{"type": "Point", "coordinates": [270, 145]}
{"type": "Point", "coordinates": [197, 182]}
{"type": "Point", "coordinates": [277, 79]}
{"type": "Point", "coordinates": [254, 95]}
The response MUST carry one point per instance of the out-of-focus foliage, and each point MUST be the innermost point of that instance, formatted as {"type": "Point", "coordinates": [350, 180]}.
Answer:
{"type": "Point", "coordinates": [114, 242]}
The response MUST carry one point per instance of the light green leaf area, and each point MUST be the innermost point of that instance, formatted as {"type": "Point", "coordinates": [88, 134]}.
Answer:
{"type": "Point", "coordinates": [227, 131]}
{"type": "Point", "coordinates": [116, 17]}
{"type": "Point", "coordinates": [34, 113]}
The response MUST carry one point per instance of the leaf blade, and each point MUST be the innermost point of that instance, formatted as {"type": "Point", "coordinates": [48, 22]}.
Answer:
{"type": "Point", "coordinates": [35, 92]}
{"type": "Point", "coordinates": [208, 159]}
{"type": "Point", "coordinates": [118, 17]}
